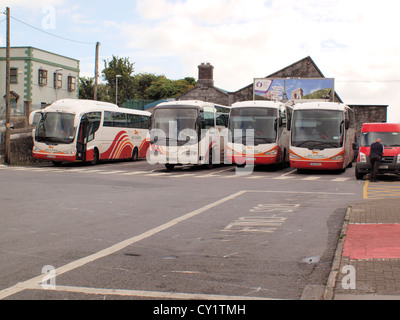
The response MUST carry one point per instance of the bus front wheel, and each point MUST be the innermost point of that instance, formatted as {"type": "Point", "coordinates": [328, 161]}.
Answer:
{"type": "Point", "coordinates": [135, 155]}
{"type": "Point", "coordinates": [169, 166]}
{"type": "Point", "coordinates": [95, 160]}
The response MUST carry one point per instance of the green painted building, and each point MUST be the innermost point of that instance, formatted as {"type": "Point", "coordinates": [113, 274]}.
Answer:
{"type": "Point", "coordinates": [38, 78]}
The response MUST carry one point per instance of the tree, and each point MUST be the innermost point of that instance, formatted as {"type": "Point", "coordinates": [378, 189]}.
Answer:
{"type": "Point", "coordinates": [124, 68]}
{"type": "Point", "coordinates": [86, 90]}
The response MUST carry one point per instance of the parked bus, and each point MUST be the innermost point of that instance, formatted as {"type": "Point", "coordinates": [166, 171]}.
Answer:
{"type": "Point", "coordinates": [258, 133]}
{"type": "Point", "coordinates": [89, 131]}
{"type": "Point", "coordinates": [188, 132]}
{"type": "Point", "coordinates": [323, 136]}
{"type": "Point", "coordinates": [389, 133]}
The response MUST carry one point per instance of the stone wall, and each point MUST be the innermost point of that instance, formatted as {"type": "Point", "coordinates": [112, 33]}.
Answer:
{"type": "Point", "coordinates": [368, 114]}
{"type": "Point", "coordinates": [21, 145]}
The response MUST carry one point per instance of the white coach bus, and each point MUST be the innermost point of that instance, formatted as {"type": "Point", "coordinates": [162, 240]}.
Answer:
{"type": "Point", "coordinates": [323, 136]}
{"type": "Point", "coordinates": [188, 132]}
{"type": "Point", "coordinates": [88, 131]}
{"type": "Point", "coordinates": [258, 133]}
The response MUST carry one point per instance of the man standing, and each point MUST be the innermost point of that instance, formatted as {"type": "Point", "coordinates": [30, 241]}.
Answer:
{"type": "Point", "coordinates": [376, 157]}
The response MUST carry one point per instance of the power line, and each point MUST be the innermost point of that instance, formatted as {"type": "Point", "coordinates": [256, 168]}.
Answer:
{"type": "Point", "coordinates": [367, 81]}
{"type": "Point", "coordinates": [53, 35]}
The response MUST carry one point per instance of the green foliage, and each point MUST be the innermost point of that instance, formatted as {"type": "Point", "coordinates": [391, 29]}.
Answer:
{"type": "Point", "coordinates": [147, 86]}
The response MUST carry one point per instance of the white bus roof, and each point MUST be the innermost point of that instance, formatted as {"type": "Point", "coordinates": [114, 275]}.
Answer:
{"type": "Point", "coordinates": [320, 106]}
{"type": "Point", "coordinates": [77, 105]}
{"type": "Point", "coordinates": [258, 104]}
{"type": "Point", "coordinates": [194, 103]}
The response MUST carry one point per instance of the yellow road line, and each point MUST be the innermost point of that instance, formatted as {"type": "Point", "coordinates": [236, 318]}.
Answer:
{"type": "Point", "coordinates": [365, 192]}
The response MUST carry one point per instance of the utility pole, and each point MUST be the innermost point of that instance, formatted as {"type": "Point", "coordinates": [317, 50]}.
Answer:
{"type": "Point", "coordinates": [96, 71]}
{"type": "Point", "coordinates": [8, 97]}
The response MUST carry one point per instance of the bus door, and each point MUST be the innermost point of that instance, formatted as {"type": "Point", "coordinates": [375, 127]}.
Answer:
{"type": "Point", "coordinates": [88, 127]}
{"type": "Point", "coordinates": [81, 145]}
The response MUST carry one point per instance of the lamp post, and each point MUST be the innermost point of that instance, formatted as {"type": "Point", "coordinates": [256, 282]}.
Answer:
{"type": "Point", "coordinates": [116, 82]}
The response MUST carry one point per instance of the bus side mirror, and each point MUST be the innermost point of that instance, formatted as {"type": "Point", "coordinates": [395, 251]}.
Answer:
{"type": "Point", "coordinates": [355, 146]}
{"type": "Point", "coordinates": [199, 121]}
{"type": "Point", "coordinates": [32, 116]}
{"type": "Point", "coordinates": [347, 124]}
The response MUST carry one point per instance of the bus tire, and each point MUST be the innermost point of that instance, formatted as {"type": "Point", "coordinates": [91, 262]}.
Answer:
{"type": "Point", "coordinates": [57, 163]}
{"type": "Point", "coordinates": [95, 160]}
{"type": "Point", "coordinates": [169, 166]}
{"type": "Point", "coordinates": [210, 164]}
{"type": "Point", "coordinates": [135, 155]}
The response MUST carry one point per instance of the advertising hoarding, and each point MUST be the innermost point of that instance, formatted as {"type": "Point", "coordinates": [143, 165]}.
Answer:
{"type": "Point", "coordinates": [288, 89]}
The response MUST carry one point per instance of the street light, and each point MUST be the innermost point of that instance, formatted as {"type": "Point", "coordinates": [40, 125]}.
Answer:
{"type": "Point", "coordinates": [57, 70]}
{"type": "Point", "coordinates": [116, 94]}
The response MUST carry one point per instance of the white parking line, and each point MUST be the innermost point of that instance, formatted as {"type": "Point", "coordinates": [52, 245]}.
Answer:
{"type": "Point", "coordinates": [311, 178]}
{"type": "Point", "coordinates": [151, 294]}
{"type": "Point", "coordinates": [112, 172]}
{"type": "Point", "coordinates": [134, 173]}
{"type": "Point", "coordinates": [341, 179]}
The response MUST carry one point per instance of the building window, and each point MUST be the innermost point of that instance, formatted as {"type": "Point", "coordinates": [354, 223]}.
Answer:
{"type": "Point", "coordinates": [57, 80]}
{"type": "Point", "coordinates": [42, 77]}
{"type": "Point", "coordinates": [14, 75]}
{"type": "Point", "coordinates": [71, 83]}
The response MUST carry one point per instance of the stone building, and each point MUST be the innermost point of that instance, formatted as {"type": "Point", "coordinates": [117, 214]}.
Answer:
{"type": "Point", "coordinates": [305, 68]}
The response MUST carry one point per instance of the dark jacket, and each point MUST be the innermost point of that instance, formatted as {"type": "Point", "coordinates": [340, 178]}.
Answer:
{"type": "Point", "coordinates": [376, 149]}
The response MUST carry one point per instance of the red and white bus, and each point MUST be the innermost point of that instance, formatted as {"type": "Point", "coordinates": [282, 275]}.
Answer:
{"type": "Point", "coordinates": [258, 133]}
{"type": "Point", "coordinates": [323, 136]}
{"type": "Point", "coordinates": [89, 131]}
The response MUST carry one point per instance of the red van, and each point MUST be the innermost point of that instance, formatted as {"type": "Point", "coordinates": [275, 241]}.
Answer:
{"type": "Point", "coordinates": [389, 133]}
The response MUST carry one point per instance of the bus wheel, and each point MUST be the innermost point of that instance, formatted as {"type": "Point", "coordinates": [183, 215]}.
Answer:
{"type": "Point", "coordinates": [135, 155]}
{"type": "Point", "coordinates": [57, 163]}
{"type": "Point", "coordinates": [210, 164]}
{"type": "Point", "coordinates": [169, 166]}
{"type": "Point", "coordinates": [95, 160]}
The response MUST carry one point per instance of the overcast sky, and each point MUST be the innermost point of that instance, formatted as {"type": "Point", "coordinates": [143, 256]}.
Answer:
{"type": "Point", "coordinates": [355, 42]}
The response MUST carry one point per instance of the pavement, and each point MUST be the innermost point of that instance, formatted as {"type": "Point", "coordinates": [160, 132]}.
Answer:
{"type": "Point", "coordinates": [367, 261]}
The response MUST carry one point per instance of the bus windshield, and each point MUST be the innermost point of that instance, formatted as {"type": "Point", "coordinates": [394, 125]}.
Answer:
{"type": "Point", "coordinates": [179, 122]}
{"type": "Point", "coordinates": [389, 139]}
{"type": "Point", "coordinates": [55, 127]}
{"type": "Point", "coordinates": [262, 120]}
{"type": "Point", "coordinates": [319, 129]}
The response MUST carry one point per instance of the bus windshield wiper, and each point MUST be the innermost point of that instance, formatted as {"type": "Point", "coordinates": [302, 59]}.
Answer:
{"type": "Point", "coordinates": [314, 143]}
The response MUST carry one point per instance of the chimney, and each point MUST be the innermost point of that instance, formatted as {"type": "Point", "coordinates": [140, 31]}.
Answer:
{"type": "Point", "coordinates": [206, 75]}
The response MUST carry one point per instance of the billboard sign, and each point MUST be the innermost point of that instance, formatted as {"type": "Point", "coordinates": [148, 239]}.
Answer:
{"type": "Point", "coordinates": [294, 89]}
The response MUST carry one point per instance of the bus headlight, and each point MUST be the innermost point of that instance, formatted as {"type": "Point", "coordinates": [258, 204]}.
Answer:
{"type": "Point", "coordinates": [72, 151]}
{"type": "Point", "coordinates": [398, 158]}
{"type": "Point", "coordinates": [294, 156]}
{"type": "Point", "coordinates": [35, 149]}
{"type": "Point", "coordinates": [337, 158]}
{"type": "Point", "coordinates": [271, 153]}
{"type": "Point", "coordinates": [362, 157]}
